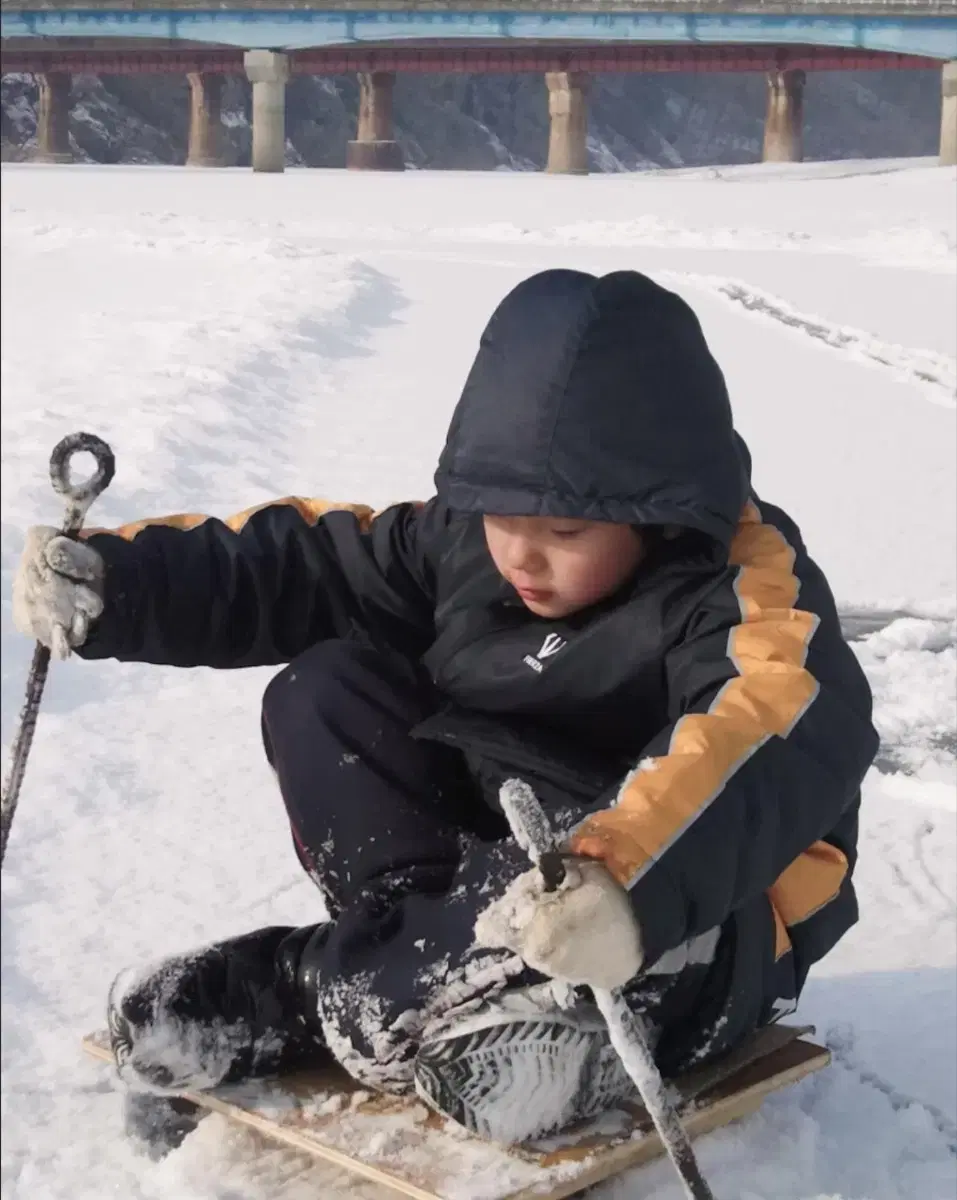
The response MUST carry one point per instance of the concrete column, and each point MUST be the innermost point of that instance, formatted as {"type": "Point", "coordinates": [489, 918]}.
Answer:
{"type": "Point", "coordinates": [948, 115]}
{"type": "Point", "coordinates": [784, 123]}
{"type": "Point", "coordinates": [568, 125]}
{"type": "Point", "coordinates": [375, 147]}
{"type": "Point", "coordinates": [53, 118]}
{"type": "Point", "coordinates": [205, 120]}
{"type": "Point", "coordinates": [268, 71]}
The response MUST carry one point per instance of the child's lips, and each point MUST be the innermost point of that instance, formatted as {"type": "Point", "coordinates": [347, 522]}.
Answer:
{"type": "Point", "coordinates": [536, 595]}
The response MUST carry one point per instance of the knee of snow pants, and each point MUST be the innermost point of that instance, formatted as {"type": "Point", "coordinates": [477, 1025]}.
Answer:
{"type": "Point", "coordinates": [365, 799]}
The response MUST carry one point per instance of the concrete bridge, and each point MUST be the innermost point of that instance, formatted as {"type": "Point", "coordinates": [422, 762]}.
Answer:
{"type": "Point", "coordinates": [566, 40]}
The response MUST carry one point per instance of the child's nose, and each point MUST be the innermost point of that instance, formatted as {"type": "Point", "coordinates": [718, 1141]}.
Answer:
{"type": "Point", "coordinates": [524, 556]}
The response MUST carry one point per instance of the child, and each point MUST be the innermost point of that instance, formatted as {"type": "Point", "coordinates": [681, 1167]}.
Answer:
{"type": "Point", "coordinates": [594, 602]}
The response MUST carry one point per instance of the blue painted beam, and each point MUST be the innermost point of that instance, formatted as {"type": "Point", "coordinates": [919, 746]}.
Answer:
{"type": "Point", "coordinates": [294, 29]}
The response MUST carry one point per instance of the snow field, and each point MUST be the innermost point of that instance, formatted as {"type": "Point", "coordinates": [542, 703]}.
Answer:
{"type": "Point", "coordinates": [237, 338]}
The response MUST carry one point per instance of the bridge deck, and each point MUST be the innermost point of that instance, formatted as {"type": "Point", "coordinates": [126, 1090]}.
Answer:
{"type": "Point", "coordinates": [500, 8]}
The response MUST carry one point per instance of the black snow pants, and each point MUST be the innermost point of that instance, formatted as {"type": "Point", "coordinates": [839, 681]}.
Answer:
{"type": "Point", "coordinates": [406, 851]}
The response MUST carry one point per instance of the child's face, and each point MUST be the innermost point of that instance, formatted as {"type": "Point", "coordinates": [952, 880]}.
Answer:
{"type": "Point", "coordinates": [559, 565]}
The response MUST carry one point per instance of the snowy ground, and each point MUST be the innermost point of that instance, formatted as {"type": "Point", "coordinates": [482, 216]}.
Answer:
{"type": "Point", "coordinates": [237, 338]}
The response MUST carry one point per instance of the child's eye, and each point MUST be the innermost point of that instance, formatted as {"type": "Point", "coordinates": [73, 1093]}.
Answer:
{"type": "Point", "coordinates": [565, 534]}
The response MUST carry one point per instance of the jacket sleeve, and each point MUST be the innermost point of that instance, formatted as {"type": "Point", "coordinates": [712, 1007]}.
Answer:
{"type": "Point", "coordinates": [769, 740]}
{"type": "Point", "coordinates": [261, 587]}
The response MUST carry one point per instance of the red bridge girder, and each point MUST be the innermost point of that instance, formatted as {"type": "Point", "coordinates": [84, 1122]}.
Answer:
{"type": "Point", "coordinates": [474, 59]}
{"type": "Point", "coordinates": [601, 59]}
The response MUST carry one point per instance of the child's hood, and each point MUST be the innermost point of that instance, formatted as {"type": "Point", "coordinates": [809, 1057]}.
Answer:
{"type": "Point", "coordinates": [596, 398]}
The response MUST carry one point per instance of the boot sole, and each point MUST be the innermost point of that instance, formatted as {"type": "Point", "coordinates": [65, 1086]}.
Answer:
{"type": "Point", "coordinates": [516, 1081]}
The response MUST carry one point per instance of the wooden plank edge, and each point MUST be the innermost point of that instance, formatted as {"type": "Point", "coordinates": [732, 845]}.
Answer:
{"type": "Point", "coordinates": [708, 1119]}
{"type": "Point", "coordinates": [289, 1137]}
{"type": "Point", "coordinates": [93, 1047]}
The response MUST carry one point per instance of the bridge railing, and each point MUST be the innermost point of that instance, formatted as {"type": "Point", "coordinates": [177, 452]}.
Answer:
{"type": "Point", "coordinates": [503, 7]}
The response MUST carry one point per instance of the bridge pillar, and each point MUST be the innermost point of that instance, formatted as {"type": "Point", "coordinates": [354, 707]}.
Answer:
{"type": "Point", "coordinates": [205, 120]}
{"type": "Point", "coordinates": [53, 118]}
{"type": "Point", "coordinates": [268, 71]}
{"type": "Point", "coordinates": [375, 147]}
{"type": "Point", "coordinates": [784, 123]}
{"type": "Point", "coordinates": [948, 115]}
{"type": "Point", "coordinates": [568, 124]}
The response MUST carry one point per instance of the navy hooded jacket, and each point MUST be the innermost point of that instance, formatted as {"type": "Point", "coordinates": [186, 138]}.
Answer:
{"type": "Point", "coordinates": [712, 702]}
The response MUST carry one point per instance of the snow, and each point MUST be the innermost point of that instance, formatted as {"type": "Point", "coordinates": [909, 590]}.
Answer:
{"type": "Point", "coordinates": [236, 338]}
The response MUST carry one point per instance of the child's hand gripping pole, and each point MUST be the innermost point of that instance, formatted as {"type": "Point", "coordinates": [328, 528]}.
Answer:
{"type": "Point", "coordinates": [531, 830]}
{"type": "Point", "coordinates": [78, 497]}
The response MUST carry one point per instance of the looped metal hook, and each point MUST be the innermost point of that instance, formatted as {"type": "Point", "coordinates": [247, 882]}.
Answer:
{"type": "Point", "coordinates": [79, 496]}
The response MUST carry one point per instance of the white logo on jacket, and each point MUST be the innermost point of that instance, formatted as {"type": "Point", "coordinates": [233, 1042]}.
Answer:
{"type": "Point", "coordinates": [551, 645]}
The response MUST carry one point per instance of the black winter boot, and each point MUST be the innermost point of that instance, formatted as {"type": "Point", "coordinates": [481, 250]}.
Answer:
{"type": "Point", "coordinates": [235, 1010]}
{"type": "Point", "coordinates": [159, 1124]}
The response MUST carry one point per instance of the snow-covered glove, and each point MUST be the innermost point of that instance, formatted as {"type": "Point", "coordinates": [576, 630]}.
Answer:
{"type": "Point", "coordinates": [583, 933]}
{"type": "Point", "coordinates": [57, 590]}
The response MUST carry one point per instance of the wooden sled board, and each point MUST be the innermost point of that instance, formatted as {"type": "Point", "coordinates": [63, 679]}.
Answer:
{"type": "Point", "coordinates": [399, 1144]}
